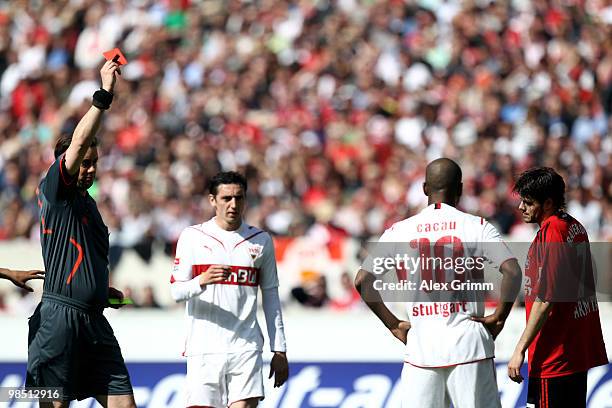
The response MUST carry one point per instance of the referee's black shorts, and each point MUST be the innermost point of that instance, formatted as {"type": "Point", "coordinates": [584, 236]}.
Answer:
{"type": "Point", "coordinates": [72, 346]}
{"type": "Point", "coordinates": [558, 392]}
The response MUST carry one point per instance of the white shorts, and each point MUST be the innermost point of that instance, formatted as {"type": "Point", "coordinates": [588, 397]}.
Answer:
{"type": "Point", "coordinates": [218, 380]}
{"type": "Point", "coordinates": [471, 385]}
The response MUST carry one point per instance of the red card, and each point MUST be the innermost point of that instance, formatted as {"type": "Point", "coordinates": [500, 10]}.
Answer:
{"type": "Point", "coordinates": [116, 55]}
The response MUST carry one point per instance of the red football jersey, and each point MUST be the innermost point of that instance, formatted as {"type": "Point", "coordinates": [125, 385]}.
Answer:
{"type": "Point", "coordinates": [559, 270]}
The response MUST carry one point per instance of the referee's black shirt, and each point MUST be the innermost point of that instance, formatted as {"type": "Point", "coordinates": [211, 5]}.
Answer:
{"type": "Point", "coordinates": [74, 239]}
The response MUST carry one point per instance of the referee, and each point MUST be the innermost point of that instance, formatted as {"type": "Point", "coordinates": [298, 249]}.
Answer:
{"type": "Point", "coordinates": [71, 344]}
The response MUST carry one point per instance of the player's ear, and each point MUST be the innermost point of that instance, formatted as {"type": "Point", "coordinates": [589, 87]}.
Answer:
{"type": "Point", "coordinates": [425, 189]}
{"type": "Point", "coordinates": [211, 200]}
{"type": "Point", "coordinates": [459, 190]}
{"type": "Point", "coordinates": [548, 205]}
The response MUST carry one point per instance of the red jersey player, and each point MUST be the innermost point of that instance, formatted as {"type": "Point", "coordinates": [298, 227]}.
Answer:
{"type": "Point", "coordinates": [563, 332]}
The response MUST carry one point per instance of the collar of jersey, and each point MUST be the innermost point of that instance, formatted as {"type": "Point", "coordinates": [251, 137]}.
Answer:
{"type": "Point", "coordinates": [217, 229]}
{"type": "Point", "coordinates": [433, 206]}
{"type": "Point", "coordinates": [550, 219]}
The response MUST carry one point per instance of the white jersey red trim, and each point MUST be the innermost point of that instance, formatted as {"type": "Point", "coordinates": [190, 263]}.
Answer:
{"type": "Point", "coordinates": [442, 333]}
{"type": "Point", "coordinates": [222, 318]}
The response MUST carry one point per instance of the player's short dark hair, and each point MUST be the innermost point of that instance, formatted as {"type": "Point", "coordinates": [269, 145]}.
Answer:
{"type": "Point", "coordinates": [64, 141]}
{"type": "Point", "coordinates": [226, 177]}
{"type": "Point", "coordinates": [541, 183]}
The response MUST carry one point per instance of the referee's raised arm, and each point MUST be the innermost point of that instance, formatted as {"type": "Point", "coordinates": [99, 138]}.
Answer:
{"type": "Point", "coordinates": [88, 126]}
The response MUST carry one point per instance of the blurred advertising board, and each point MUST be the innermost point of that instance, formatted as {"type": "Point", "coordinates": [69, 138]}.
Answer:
{"type": "Point", "coordinates": [312, 384]}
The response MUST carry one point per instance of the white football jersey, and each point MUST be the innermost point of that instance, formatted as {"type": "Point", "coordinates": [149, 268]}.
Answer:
{"type": "Point", "coordinates": [223, 318]}
{"type": "Point", "coordinates": [442, 333]}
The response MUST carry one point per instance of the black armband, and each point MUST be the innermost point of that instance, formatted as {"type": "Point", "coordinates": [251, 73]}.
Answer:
{"type": "Point", "coordinates": [102, 99]}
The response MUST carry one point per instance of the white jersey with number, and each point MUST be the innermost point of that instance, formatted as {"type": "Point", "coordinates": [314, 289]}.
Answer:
{"type": "Point", "coordinates": [223, 317]}
{"type": "Point", "coordinates": [442, 333]}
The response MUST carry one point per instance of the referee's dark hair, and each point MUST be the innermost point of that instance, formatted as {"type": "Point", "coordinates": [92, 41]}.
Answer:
{"type": "Point", "coordinates": [541, 183]}
{"type": "Point", "coordinates": [63, 143]}
{"type": "Point", "coordinates": [226, 177]}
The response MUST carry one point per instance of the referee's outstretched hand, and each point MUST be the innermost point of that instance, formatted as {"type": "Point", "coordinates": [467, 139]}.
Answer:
{"type": "Point", "coordinates": [19, 278]}
{"type": "Point", "coordinates": [279, 368]}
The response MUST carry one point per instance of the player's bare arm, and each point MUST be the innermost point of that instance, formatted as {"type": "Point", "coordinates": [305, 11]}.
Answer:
{"type": "Point", "coordinates": [88, 126]}
{"type": "Point", "coordinates": [510, 287]}
{"type": "Point", "coordinates": [279, 368]}
{"type": "Point", "coordinates": [214, 274]}
{"type": "Point", "coordinates": [539, 314]}
{"type": "Point", "coordinates": [364, 282]}
{"type": "Point", "coordinates": [19, 278]}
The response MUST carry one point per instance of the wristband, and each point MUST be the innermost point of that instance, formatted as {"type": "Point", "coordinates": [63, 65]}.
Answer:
{"type": "Point", "coordinates": [102, 99]}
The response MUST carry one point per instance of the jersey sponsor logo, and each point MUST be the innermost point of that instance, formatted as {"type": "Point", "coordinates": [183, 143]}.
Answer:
{"type": "Point", "coordinates": [239, 275]}
{"type": "Point", "coordinates": [243, 277]}
{"type": "Point", "coordinates": [177, 261]}
{"type": "Point", "coordinates": [444, 309]}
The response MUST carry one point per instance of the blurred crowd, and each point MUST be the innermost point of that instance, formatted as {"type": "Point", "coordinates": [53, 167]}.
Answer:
{"type": "Point", "coordinates": [332, 108]}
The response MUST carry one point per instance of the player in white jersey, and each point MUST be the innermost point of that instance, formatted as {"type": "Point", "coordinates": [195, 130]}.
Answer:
{"type": "Point", "coordinates": [449, 344]}
{"type": "Point", "coordinates": [219, 267]}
